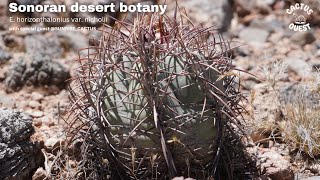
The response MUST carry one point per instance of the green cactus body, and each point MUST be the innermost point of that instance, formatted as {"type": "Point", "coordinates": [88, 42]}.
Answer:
{"type": "Point", "coordinates": [186, 88]}
{"type": "Point", "coordinates": [126, 104]}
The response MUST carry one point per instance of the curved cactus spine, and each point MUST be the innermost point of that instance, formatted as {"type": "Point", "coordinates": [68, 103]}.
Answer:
{"type": "Point", "coordinates": [155, 100]}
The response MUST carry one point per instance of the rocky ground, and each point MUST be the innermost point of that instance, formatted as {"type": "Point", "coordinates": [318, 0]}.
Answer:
{"type": "Point", "coordinates": [34, 68]}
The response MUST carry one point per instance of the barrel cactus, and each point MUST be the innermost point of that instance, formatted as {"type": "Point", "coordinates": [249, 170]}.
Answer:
{"type": "Point", "coordinates": [154, 99]}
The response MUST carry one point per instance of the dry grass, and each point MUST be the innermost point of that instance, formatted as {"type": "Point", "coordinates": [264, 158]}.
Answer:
{"type": "Point", "coordinates": [300, 127]}
{"type": "Point", "coordinates": [303, 128]}
{"type": "Point", "coordinates": [274, 72]}
{"type": "Point", "coordinates": [303, 117]}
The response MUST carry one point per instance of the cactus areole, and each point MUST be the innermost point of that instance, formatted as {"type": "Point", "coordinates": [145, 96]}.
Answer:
{"type": "Point", "coordinates": [157, 98]}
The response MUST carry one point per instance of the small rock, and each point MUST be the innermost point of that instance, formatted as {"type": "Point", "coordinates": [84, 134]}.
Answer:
{"type": "Point", "coordinates": [14, 42]}
{"type": "Point", "coordinates": [264, 4]}
{"type": "Point", "coordinates": [36, 96]}
{"type": "Point", "coordinates": [14, 75]}
{"type": "Point", "coordinates": [303, 55]}
{"type": "Point", "coordinates": [303, 38]}
{"type": "Point", "coordinates": [269, 23]}
{"type": "Point", "coordinates": [38, 70]}
{"type": "Point", "coordinates": [275, 166]}
{"type": "Point", "coordinates": [267, 105]}
{"type": "Point", "coordinates": [208, 12]}
{"type": "Point", "coordinates": [37, 123]}
{"type": "Point", "coordinates": [318, 44]}
{"type": "Point", "coordinates": [27, 2]}
{"type": "Point", "coordinates": [276, 37]}
{"type": "Point", "coordinates": [300, 67]}
{"type": "Point", "coordinates": [4, 56]}
{"type": "Point", "coordinates": [35, 114]}
{"type": "Point", "coordinates": [41, 45]}
{"type": "Point", "coordinates": [246, 7]}
{"type": "Point", "coordinates": [3, 3]}
{"type": "Point", "coordinates": [40, 174]}
{"type": "Point", "coordinates": [294, 93]}
{"type": "Point", "coordinates": [51, 143]}
{"type": "Point", "coordinates": [51, 123]}
{"type": "Point", "coordinates": [34, 104]}
{"type": "Point", "coordinates": [254, 35]}
{"type": "Point", "coordinates": [317, 53]}
{"type": "Point", "coordinates": [19, 156]}
{"type": "Point", "coordinates": [75, 40]}
{"type": "Point", "coordinates": [6, 101]}
{"type": "Point", "coordinates": [3, 9]}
